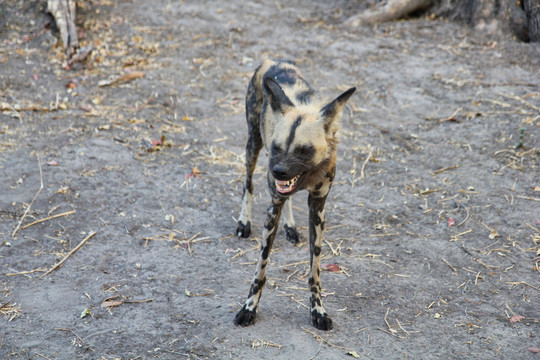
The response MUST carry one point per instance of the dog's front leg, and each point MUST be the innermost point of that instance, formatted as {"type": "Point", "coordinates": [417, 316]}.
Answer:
{"type": "Point", "coordinates": [246, 315]}
{"type": "Point", "coordinates": [321, 320]}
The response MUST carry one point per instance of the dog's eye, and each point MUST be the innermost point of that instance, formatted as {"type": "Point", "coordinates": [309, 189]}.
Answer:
{"type": "Point", "coordinates": [304, 150]}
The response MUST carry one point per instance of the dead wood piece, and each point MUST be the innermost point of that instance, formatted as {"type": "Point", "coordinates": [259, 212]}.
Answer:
{"type": "Point", "coordinates": [80, 55]}
{"type": "Point", "coordinates": [58, 264]}
{"type": "Point", "coordinates": [32, 202]}
{"type": "Point", "coordinates": [48, 218]}
{"type": "Point", "coordinates": [117, 80]}
{"type": "Point", "coordinates": [532, 11]}
{"type": "Point", "coordinates": [392, 10]}
{"type": "Point", "coordinates": [64, 14]}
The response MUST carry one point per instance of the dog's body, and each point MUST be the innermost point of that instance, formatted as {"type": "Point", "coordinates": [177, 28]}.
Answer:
{"type": "Point", "coordinates": [299, 132]}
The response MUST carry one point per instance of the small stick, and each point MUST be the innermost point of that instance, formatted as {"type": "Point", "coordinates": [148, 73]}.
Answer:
{"type": "Point", "coordinates": [28, 108]}
{"type": "Point", "coordinates": [525, 102]}
{"type": "Point", "coordinates": [393, 331]}
{"type": "Point", "coordinates": [25, 272]}
{"type": "Point", "coordinates": [444, 169]}
{"type": "Point", "coordinates": [189, 241]}
{"type": "Point", "coordinates": [489, 267]}
{"type": "Point", "coordinates": [58, 264]}
{"type": "Point", "coordinates": [291, 275]}
{"type": "Point", "coordinates": [522, 283]}
{"type": "Point", "coordinates": [299, 302]}
{"type": "Point", "coordinates": [148, 300]}
{"type": "Point", "coordinates": [73, 332]}
{"type": "Point", "coordinates": [49, 218]}
{"type": "Point", "coordinates": [476, 278]}
{"type": "Point", "coordinates": [144, 104]}
{"type": "Point", "coordinates": [318, 351]}
{"type": "Point", "coordinates": [321, 339]}
{"type": "Point", "coordinates": [447, 263]}
{"type": "Point", "coordinates": [532, 227]}
{"type": "Point", "coordinates": [362, 175]}
{"type": "Point", "coordinates": [528, 198]}
{"type": "Point", "coordinates": [451, 118]}
{"type": "Point", "coordinates": [32, 202]}
{"type": "Point", "coordinates": [293, 264]}
{"type": "Point", "coordinates": [466, 217]}
{"type": "Point", "coordinates": [401, 327]}
{"type": "Point", "coordinates": [331, 248]}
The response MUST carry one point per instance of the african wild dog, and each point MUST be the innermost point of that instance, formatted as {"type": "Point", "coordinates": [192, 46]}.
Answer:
{"type": "Point", "coordinates": [286, 116]}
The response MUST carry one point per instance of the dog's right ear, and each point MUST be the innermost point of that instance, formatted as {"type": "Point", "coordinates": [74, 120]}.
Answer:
{"type": "Point", "coordinates": [275, 95]}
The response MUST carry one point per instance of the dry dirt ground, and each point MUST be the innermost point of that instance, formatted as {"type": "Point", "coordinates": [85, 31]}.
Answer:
{"type": "Point", "coordinates": [433, 222]}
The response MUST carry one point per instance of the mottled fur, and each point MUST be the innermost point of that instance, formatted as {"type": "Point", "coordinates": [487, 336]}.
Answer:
{"type": "Point", "coordinates": [286, 116]}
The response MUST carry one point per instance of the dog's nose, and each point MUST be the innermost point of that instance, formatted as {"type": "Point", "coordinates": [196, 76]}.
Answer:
{"type": "Point", "coordinates": [280, 172]}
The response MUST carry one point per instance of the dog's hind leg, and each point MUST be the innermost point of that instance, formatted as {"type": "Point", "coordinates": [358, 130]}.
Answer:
{"type": "Point", "coordinates": [290, 228]}
{"type": "Point", "coordinates": [253, 147]}
{"type": "Point", "coordinates": [246, 315]}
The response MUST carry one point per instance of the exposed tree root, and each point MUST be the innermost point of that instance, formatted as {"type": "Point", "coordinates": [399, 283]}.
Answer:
{"type": "Point", "coordinates": [392, 10]}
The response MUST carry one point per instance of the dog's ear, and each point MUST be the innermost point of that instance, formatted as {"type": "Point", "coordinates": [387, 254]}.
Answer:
{"type": "Point", "coordinates": [332, 112]}
{"type": "Point", "coordinates": [275, 95]}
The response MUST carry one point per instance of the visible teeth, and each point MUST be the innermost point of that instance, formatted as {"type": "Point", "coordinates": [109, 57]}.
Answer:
{"type": "Point", "coordinates": [286, 186]}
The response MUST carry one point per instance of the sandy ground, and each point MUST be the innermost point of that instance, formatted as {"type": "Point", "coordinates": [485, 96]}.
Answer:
{"type": "Point", "coordinates": [433, 222]}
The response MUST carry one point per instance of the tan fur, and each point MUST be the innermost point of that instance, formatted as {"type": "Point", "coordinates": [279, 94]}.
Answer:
{"type": "Point", "coordinates": [298, 130]}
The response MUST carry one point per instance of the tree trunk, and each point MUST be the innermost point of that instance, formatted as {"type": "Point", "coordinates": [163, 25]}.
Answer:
{"type": "Point", "coordinates": [63, 12]}
{"type": "Point", "coordinates": [491, 17]}
{"type": "Point", "coordinates": [488, 16]}
{"type": "Point", "coordinates": [532, 10]}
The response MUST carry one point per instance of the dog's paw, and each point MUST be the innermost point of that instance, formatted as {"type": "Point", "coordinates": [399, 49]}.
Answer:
{"type": "Point", "coordinates": [322, 321]}
{"type": "Point", "coordinates": [243, 230]}
{"type": "Point", "coordinates": [245, 317]}
{"type": "Point", "coordinates": [291, 234]}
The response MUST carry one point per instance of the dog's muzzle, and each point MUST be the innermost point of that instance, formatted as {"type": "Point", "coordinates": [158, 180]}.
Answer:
{"type": "Point", "coordinates": [283, 180]}
{"type": "Point", "coordinates": [285, 187]}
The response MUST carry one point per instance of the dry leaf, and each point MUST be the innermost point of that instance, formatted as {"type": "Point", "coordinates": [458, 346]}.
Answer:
{"type": "Point", "coordinates": [121, 79]}
{"type": "Point", "coordinates": [62, 190]}
{"type": "Point", "coordinates": [516, 318]}
{"type": "Point", "coordinates": [112, 301]}
{"type": "Point", "coordinates": [85, 313]}
{"type": "Point", "coordinates": [330, 267]}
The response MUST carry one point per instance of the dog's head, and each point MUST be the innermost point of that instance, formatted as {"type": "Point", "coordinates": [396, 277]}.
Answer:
{"type": "Point", "coordinates": [303, 143]}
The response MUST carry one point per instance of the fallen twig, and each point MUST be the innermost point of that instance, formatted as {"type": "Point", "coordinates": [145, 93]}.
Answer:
{"type": "Point", "coordinates": [321, 339]}
{"type": "Point", "coordinates": [525, 102]}
{"type": "Point", "coordinates": [466, 217]}
{"type": "Point", "coordinates": [73, 332]}
{"type": "Point", "coordinates": [522, 283]}
{"type": "Point", "coordinates": [116, 300]}
{"type": "Point", "coordinates": [451, 266]}
{"type": "Point", "coordinates": [58, 264]}
{"type": "Point", "coordinates": [49, 218]}
{"type": "Point", "coordinates": [34, 199]}
{"type": "Point", "coordinates": [7, 107]}
{"type": "Point", "coordinates": [444, 169]}
{"type": "Point", "coordinates": [362, 175]}
{"type": "Point", "coordinates": [117, 80]}
{"type": "Point", "coordinates": [26, 272]}
{"type": "Point", "coordinates": [452, 117]}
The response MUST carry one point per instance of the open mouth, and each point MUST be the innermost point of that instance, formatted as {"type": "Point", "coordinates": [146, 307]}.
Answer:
{"type": "Point", "coordinates": [284, 187]}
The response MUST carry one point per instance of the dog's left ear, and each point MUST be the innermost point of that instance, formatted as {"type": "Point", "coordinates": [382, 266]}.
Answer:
{"type": "Point", "coordinates": [275, 95]}
{"type": "Point", "coordinates": [332, 112]}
